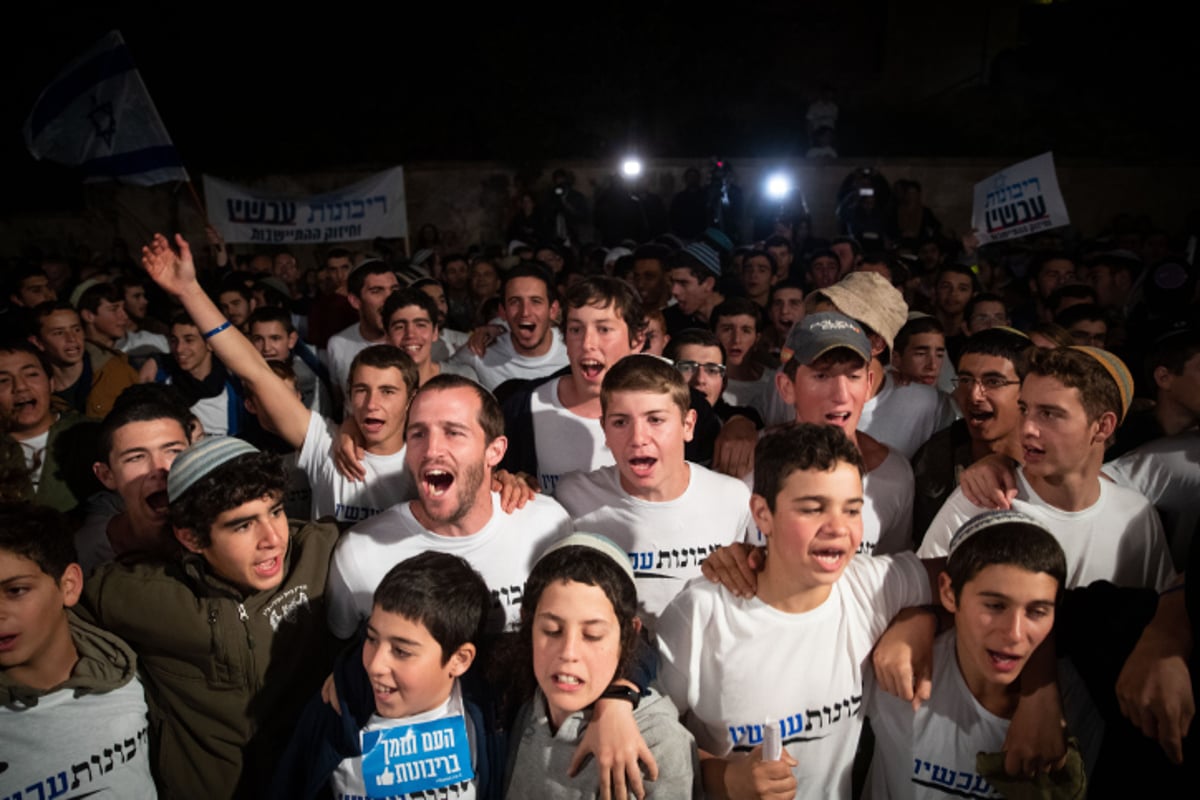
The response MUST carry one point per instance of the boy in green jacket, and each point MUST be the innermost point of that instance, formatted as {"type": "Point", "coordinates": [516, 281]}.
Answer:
{"type": "Point", "coordinates": [230, 633]}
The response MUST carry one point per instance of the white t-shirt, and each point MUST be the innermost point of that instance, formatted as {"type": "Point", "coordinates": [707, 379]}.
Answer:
{"type": "Point", "coordinates": [387, 481]}
{"type": "Point", "coordinates": [564, 441]}
{"type": "Point", "coordinates": [502, 363]}
{"type": "Point", "coordinates": [930, 754]}
{"type": "Point", "coordinates": [731, 664]}
{"type": "Point", "coordinates": [457, 368]}
{"type": "Point", "coordinates": [1166, 472]}
{"type": "Point", "coordinates": [448, 343]}
{"type": "Point", "coordinates": [142, 343]}
{"type": "Point", "coordinates": [776, 410]}
{"type": "Point", "coordinates": [347, 779]}
{"type": "Point", "coordinates": [502, 551]}
{"type": "Point", "coordinates": [755, 394]}
{"type": "Point", "coordinates": [48, 747]}
{"type": "Point", "coordinates": [213, 413]}
{"type": "Point", "coordinates": [340, 351]}
{"type": "Point", "coordinates": [1118, 539]}
{"type": "Point", "coordinates": [34, 451]}
{"type": "Point", "coordinates": [887, 506]}
{"type": "Point", "coordinates": [312, 390]}
{"type": "Point", "coordinates": [666, 541]}
{"type": "Point", "coordinates": [904, 417]}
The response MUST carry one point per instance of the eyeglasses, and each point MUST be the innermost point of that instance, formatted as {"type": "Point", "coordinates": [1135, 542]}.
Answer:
{"type": "Point", "coordinates": [688, 368]}
{"type": "Point", "coordinates": [990, 383]}
{"type": "Point", "coordinates": [998, 319]}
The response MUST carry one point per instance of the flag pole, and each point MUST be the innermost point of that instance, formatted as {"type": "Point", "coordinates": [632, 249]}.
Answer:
{"type": "Point", "coordinates": [196, 197]}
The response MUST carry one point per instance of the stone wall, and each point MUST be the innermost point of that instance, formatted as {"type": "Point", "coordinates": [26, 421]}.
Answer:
{"type": "Point", "coordinates": [470, 202]}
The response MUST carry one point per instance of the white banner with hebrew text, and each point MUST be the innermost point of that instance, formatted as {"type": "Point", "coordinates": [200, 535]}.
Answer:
{"type": "Point", "coordinates": [370, 208]}
{"type": "Point", "coordinates": [1018, 201]}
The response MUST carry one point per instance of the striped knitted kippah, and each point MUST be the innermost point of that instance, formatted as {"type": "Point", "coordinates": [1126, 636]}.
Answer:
{"type": "Point", "coordinates": [202, 458]}
{"type": "Point", "coordinates": [1117, 369]}
{"type": "Point", "coordinates": [706, 255]}
{"type": "Point", "coordinates": [989, 519]}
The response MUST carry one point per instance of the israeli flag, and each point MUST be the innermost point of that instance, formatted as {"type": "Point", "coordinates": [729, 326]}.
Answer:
{"type": "Point", "coordinates": [98, 115]}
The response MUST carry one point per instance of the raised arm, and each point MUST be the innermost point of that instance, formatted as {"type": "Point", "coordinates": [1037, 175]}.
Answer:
{"type": "Point", "coordinates": [176, 274]}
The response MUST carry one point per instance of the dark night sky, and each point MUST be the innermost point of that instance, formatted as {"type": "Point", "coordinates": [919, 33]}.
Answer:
{"type": "Point", "coordinates": [344, 86]}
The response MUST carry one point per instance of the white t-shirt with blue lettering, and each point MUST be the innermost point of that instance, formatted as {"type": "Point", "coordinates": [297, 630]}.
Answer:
{"type": "Point", "coordinates": [731, 664]}
{"type": "Point", "coordinates": [666, 541]}
{"type": "Point", "coordinates": [387, 481]}
{"type": "Point", "coordinates": [503, 552]}
{"type": "Point", "coordinates": [930, 754]}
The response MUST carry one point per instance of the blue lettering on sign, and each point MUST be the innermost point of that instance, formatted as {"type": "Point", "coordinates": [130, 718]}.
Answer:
{"type": "Point", "coordinates": [409, 759]}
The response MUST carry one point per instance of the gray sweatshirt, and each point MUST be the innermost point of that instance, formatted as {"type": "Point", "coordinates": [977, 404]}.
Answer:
{"type": "Point", "coordinates": [538, 759]}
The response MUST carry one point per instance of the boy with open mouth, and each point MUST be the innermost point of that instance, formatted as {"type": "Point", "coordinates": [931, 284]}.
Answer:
{"type": "Point", "coordinates": [1071, 401]}
{"type": "Point", "coordinates": [826, 377]}
{"type": "Point", "coordinates": [813, 615]}
{"type": "Point", "coordinates": [213, 623]}
{"type": "Point", "coordinates": [666, 513]}
{"type": "Point", "coordinates": [986, 388]}
{"type": "Point", "coordinates": [44, 428]}
{"type": "Point", "coordinates": [381, 381]}
{"type": "Point", "coordinates": [554, 425]}
{"type": "Point", "coordinates": [1002, 582]}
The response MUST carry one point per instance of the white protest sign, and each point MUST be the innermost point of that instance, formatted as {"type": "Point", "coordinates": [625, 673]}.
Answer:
{"type": "Point", "coordinates": [364, 210]}
{"type": "Point", "coordinates": [1018, 201]}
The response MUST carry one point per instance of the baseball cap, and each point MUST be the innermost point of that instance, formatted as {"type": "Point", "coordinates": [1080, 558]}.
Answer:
{"type": "Point", "coordinates": [818, 334]}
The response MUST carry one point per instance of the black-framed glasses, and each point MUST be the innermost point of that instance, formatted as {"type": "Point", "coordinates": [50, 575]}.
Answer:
{"type": "Point", "coordinates": [990, 383]}
{"type": "Point", "coordinates": [688, 368]}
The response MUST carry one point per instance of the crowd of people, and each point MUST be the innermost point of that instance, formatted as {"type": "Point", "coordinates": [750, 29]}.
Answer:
{"type": "Point", "coordinates": [887, 515]}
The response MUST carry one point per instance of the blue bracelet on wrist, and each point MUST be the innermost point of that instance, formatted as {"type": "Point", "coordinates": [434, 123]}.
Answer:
{"type": "Point", "coordinates": [217, 329]}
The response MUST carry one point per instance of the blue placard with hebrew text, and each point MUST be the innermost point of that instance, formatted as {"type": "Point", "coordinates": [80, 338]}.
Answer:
{"type": "Point", "coordinates": [416, 758]}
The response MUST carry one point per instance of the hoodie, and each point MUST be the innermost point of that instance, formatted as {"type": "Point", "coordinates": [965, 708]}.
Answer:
{"type": "Point", "coordinates": [88, 735]}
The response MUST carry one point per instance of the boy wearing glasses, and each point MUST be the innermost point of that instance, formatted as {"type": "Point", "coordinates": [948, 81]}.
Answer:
{"type": "Point", "coordinates": [700, 358]}
{"type": "Point", "coordinates": [986, 389]}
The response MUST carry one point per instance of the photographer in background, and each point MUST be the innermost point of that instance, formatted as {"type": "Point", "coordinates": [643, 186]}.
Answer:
{"type": "Point", "coordinates": [863, 203]}
{"type": "Point", "coordinates": [563, 210]}
{"type": "Point", "coordinates": [724, 200]}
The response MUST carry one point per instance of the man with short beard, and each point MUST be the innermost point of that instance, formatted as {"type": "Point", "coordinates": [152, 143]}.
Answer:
{"type": "Point", "coordinates": [454, 442]}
